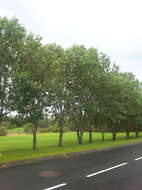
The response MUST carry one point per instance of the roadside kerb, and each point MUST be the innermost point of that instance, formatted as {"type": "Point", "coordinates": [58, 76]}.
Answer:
{"type": "Point", "coordinates": [61, 156]}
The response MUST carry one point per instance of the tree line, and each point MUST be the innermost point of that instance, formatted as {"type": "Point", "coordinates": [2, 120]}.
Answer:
{"type": "Point", "coordinates": [77, 85]}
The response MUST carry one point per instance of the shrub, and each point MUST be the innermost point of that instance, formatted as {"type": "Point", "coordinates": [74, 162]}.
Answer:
{"type": "Point", "coordinates": [8, 125]}
{"type": "Point", "coordinates": [43, 130]}
{"type": "Point", "coordinates": [53, 129]}
{"type": "Point", "coordinates": [3, 131]}
{"type": "Point", "coordinates": [28, 128]}
{"type": "Point", "coordinates": [12, 126]}
{"type": "Point", "coordinates": [43, 123]}
{"type": "Point", "coordinates": [66, 129]}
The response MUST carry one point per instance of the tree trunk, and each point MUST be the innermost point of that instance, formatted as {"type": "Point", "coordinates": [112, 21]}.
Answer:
{"type": "Point", "coordinates": [90, 134]}
{"type": "Point", "coordinates": [35, 136]}
{"type": "Point", "coordinates": [114, 135]}
{"type": "Point", "coordinates": [61, 135]}
{"type": "Point", "coordinates": [127, 134]}
{"type": "Point", "coordinates": [1, 109]}
{"type": "Point", "coordinates": [137, 134]}
{"type": "Point", "coordinates": [0, 119]}
{"type": "Point", "coordinates": [103, 136]}
{"type": "Point", "coordinates": [79, 136]}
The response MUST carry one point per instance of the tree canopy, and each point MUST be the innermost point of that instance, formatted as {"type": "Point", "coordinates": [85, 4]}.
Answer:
{"type": "Point", "coordinates": [77, 85]}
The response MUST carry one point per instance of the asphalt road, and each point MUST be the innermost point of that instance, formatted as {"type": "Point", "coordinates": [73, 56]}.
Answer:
{"type": "Point", "coordinates": [116, 169]}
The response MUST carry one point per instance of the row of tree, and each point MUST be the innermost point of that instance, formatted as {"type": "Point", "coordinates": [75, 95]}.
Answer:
{"type": "Point", "coordinates": [75, 85]}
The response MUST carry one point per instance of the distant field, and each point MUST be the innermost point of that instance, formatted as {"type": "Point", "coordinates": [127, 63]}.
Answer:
{"type": "Point", "coordinates": [19, 147]}
{"type": "Point", "coordinates": [16, 130]}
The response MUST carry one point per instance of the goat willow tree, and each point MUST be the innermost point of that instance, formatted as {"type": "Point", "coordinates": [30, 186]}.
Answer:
{"type": "Point", "coordinates": [80, 68]}
{"type": "Point", "coordinates": [131, 101]}
{"type": "Point", "coordinates": [59, 93]}
{"type": "Point", "coordinates": [30, 90]}
{"type": "Point", "coordinates": [11, 39]}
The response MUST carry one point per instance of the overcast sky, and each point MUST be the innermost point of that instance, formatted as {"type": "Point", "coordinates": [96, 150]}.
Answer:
{"type": "Point", "coordinates": [112, 26]}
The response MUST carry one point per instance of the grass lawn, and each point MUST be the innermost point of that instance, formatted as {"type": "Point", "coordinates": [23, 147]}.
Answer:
{"type": "Point", "coordinates": [19, 147]}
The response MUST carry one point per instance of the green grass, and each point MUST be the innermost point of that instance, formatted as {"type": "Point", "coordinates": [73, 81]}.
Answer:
{"type": "Point", "coordinates": [19, 147]}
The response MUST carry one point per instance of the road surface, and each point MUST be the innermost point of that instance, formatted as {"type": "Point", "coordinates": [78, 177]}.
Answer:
{"type": "Point", "coordinates": [116, 169]}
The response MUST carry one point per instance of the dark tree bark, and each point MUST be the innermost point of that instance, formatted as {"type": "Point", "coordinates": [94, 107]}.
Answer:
{"type": "Point", "coordinates": [90, 134]}
{"type": "Point", "coordinates": [114, 134]}
{"type": "Point", "coordinates": [127, 133]}
{"type": "Point", "coordinates": [103, 136]}
{"type": "Point", "coordinates": [61, 125]}
{"type": "Point", "coordinates": [61, 134]}
{"type": "Point", "coordinates": [0, 120]}
{"type": "Point", "coordinates": [1, 113]}
{"type": "Point", "coordinates": [79, 136]}
{"type": "Point", "coordinates": [35, 136]}
{"type": "Point", "coordinates": [137, 133]}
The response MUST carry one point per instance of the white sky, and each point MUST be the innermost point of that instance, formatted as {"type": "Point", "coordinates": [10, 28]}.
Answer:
{"type": "Point", "coordinates": [111, 26]}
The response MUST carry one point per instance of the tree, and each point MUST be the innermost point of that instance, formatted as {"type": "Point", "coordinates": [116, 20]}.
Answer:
{"type": "Point", "coordinates": [74, 69]}
{"type": "Point", "coordinates": [104, 92]}
{"type": "Point", "coordinates": [58, 91]}
{"type": "Point", "coordinates": [30, 82]}
{"type": "Point", "coordinates": [11, 41]}
{"type": "Point", "coordinates": [81, 66]}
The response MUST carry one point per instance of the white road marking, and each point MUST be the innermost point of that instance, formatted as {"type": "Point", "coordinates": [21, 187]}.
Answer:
{"type": "Point", "coordinates": [102, 171]}
{"type": "Point", "coordinates": [138, 158]}
{"type": "Point", "coordinates": [55, 187]}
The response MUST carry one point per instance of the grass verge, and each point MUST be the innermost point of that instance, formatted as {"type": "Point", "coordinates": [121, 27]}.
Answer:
{"type": "Point", "coordinates": [19, 147]}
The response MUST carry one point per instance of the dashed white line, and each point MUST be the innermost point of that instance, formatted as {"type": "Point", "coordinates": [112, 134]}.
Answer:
{"type": "Point", "coordinates": [102, 171]}
{"type": "Point", "coordinates": [55, 187]}
{"type": "Point", "coordinates": [93, 174]}
{"type": "Point", "coordinates": [138, 158]}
